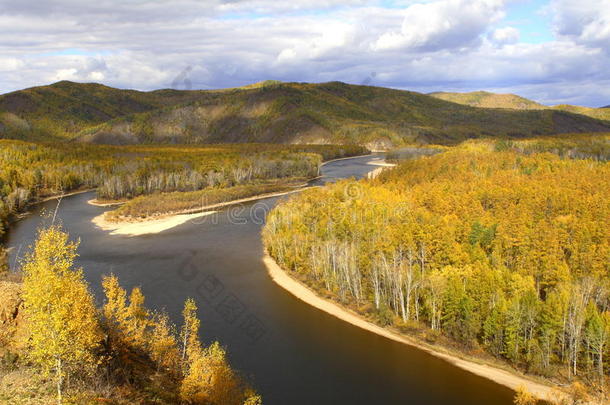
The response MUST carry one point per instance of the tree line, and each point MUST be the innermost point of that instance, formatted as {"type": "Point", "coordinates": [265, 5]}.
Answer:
{"type": "Point", "coordinates": [484, 244]}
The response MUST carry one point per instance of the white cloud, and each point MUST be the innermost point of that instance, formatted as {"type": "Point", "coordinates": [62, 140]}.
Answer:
{"type": "Point", "coordinates": [66, 74]}
{"type": "Point", "coordinates": [585, 21]}
{"type": "Point", "coordinates": [436, 45]}
{"type": "Point", "coordinates": [10, 64]}
{"type": "Point", "coordinates": [505, 35]}
{"type": "Point", "coordinates": [442, 25]}
{"type": "Point", "coordinates": [324, 39]}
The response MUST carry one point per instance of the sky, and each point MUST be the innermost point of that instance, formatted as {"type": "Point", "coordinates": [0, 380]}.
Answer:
{"type": "Point", "coordinates": [552, 51]}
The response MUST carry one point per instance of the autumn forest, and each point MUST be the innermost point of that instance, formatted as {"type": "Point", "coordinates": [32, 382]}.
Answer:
{"type": "Point", "coordinates": [494, 251]}
{"type": "Point", "coordinates": [494, 246]}
{"type": "Point", "coordinates": [346, 202]}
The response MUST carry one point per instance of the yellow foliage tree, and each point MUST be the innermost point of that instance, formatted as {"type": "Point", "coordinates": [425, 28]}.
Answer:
{"type": "Point", "coordinates": [189, 334]}
{"type": "Point", "coordinates": [115, 316]}
{"type": "Point", "coordinates": [524, 397]}
{"type": "Point", "coordinates": [60, 310]}
{"type": "Point", "coordinates": [129, 326]}
{"type": "Point", "coordinates": [127, 321]}
{"type": "Point", "coordinates": [137, 320]}
{"type": "Point", "coordinates": [114, 309]}
{"type": "Point", "coordinates": [210, 379]}
{"type": "Point", "coordinates": [163, 347]}
{"type": "Point", "coordinates": [252, 398]}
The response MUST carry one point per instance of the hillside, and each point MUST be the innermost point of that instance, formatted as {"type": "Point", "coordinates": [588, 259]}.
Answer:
{"type": "Point", "coordinates": [597, 113]}
{"type": "Point", "coordinates": [486, 99]}
{"type": "Point", "coordinates": [266, 112]}
{"type": "Point", "coordinates": [329, 113]}
{"type": "Point", "coordinates": [62, 109]}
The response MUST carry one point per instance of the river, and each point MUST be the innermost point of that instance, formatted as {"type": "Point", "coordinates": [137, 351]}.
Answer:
{"type": "Point", "coordinates": [292, 353]}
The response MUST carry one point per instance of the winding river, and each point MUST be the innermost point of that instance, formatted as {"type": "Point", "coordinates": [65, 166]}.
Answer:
{"type": "Point", "coordinates": [292, 353]}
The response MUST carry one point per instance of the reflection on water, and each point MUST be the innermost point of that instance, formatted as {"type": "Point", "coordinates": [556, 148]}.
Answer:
{"type": "Point", "coordinates": [293, 353]}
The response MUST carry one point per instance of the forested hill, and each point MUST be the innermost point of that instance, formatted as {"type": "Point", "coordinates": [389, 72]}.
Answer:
{"type": "Point", "coordinates": [62, 109]}
{"type": "Point", "coordinates": [266, 112]}
{"type": "Point", "coordinates": [512, 101]}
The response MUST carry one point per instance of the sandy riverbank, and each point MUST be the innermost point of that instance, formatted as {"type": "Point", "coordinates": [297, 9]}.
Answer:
{"type": "Point", "coordinates": [381, 163]}
{"type": "Point", "coordinates": [345, 158]}
{"type": "Point", "coordinates": [152, 226]}
{"type": "Point", "coordinates": [104, 204]}
{"type": "Point", "coordinates": [302, 292]}
{"type": "Point", "coordinates": [162, 223]}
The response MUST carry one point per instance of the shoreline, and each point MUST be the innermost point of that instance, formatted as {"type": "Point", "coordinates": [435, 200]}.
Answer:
{"type": "Point", "coordinates": [163, 222]}
{"type": "Point", "coordinates": [138, 228]}
{"type": "Point", "coordinates": [58, 196]}
{"type": "Point", "coordinates": [96, 203]}
{"type": "Point", "coordinates": [16, 217]}
{"type": "Point", "coordinates": [381, 167]}
{"type": "Point", "coordinates": [382, 164]}
{"type": "Point", "coordinates": [345, 158]}
{"type": "Point", "coordinates": [309, 296]}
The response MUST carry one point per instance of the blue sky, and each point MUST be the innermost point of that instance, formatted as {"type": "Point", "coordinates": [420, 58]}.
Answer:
{"type": "Point", "coordinates": [552, 51]}
{"type": "Point", "coordinates": [532, 18]}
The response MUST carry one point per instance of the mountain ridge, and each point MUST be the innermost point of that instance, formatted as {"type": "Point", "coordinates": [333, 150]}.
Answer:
{"type": "Point", "coordinates": [269, 111]}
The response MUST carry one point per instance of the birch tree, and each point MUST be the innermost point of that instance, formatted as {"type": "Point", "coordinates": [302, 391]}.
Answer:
{"type": "Point", "coordinates": [59, 308]}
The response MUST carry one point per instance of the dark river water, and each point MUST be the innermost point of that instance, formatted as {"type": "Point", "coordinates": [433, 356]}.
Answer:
{"type": "Point", "coordinates": [291, 352]}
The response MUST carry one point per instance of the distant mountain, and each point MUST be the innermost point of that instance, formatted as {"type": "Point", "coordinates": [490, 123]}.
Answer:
{"type": "Point", "coordinates": [269, 111]}
{"type": "Point", "coordinates": [597, 113]}
{"type": "Point", "coordinates": [486, 99]}
{"type": "Point", "coordinates": [606, 106]}
{"type": "Point", "coordinates": [512, 101]}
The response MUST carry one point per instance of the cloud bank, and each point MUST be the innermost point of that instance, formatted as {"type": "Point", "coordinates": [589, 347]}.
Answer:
{"type": "Point", "coordinates": [452, 45]}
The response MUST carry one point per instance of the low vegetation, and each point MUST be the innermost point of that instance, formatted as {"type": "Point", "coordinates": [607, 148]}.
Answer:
{"type": "Point", "coordinates": [57, 345]}
{"type": "Point", "coordinates": [499, 247]}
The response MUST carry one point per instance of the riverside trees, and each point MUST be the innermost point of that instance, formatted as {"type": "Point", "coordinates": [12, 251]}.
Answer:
{"type": "Point", "coordinates": [30, 171]}
{"type": "Point", "coordinates": [493, 247]}
{"type": "Point", "coordinates": [125, 346]}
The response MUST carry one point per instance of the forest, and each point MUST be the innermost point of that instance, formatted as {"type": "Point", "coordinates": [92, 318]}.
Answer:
{"type": "Point", "coordinates": [56, 346]}
{"type": "Point", "coordinates": [495, 248]}
{"type": "Point", "coordinates": [32, 171]}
